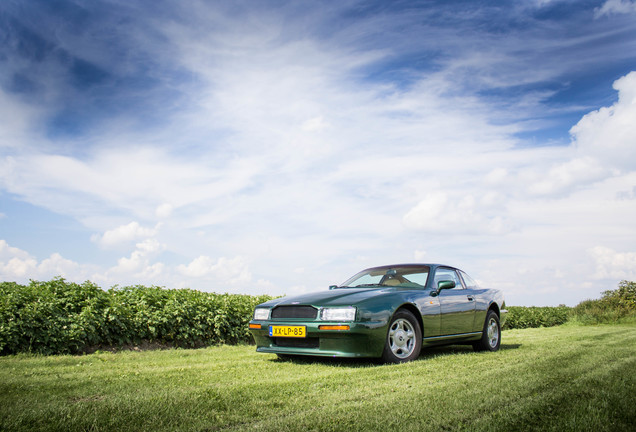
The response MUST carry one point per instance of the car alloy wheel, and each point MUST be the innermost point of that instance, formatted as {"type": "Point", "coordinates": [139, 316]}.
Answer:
{"type": "Point", "coordinates": [404, 338]}
{"type": "Point", "coordinates": [491, 334]}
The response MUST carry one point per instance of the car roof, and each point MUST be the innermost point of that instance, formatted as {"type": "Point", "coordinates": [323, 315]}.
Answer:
{"type": "Point", "coordinates": [431, 265]}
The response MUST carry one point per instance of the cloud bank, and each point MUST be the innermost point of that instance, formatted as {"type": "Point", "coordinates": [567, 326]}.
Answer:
{"type": "Point", "coordinates": [225, 148]}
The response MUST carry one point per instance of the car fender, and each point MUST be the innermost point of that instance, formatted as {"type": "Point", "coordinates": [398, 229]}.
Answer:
{"type": "Point", "coordinates": [425, 307]}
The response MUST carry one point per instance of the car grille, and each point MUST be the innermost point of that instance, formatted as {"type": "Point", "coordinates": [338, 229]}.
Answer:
{"type": "Point", "coordinates": [313, 342]}
{"type": "Point", "coordinates": [294, 312]}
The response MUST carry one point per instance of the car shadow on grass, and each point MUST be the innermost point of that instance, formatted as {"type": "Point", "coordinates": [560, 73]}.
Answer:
{"type": "Point", "coordinates": [331, 361]}
{"type": "Point", "coordinates": [457, 350]}
{"type": "Point", "coordinates": [509, 346]}
{"type": "Point", "coordinates": [427, 353]}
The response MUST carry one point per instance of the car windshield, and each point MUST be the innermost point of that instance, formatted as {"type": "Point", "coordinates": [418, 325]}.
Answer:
{"type": "Point", "coordinates": [407, 276]}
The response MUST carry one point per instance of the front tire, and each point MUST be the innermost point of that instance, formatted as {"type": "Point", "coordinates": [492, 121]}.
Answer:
{"type": "Point", "coordinates": [403, 339]}
{"type": "Point", "coordinates": [491, 335]}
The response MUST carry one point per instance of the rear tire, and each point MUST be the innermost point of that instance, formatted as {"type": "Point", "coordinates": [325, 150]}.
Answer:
{"type": "Point", "coordinates": [491, 334]}
{"type": "Point", "coordinates": [403, 339]}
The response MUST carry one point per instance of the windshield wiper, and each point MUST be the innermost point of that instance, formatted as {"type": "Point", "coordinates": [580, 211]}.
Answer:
{"type": "Point", "coordinates": [367, 285]}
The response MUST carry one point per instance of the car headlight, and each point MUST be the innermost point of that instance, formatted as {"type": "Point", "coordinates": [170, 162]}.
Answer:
{"type": "Point", "coordinates": [338, 314]}
{"type": "Point", "coordinates": [261, 314]}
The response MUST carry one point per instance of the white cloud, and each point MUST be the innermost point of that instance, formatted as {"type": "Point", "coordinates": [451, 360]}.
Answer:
{"type": "Point", "coordinates": [8, 252]}
{"type": "Point", "coordinates": [466, 214]}
{"type": "Point", "coordinates": [56, 265]}
{"type": "Point", "coordinates": [287, 148]}
{"type": "Point", "coordinates": [420, 256]}
{"type": "Point", "coordinates": [20, 266]}
{"type": "Point", "coordinates": [150, 246]}
{"type": "Point", "coordinates": [139, 263]}
{"type": "Point", "coordinates": [137, 267]}
{"type": "Point", "coordinates": [125, 234]}
{"type": "Point", "coordinates": [427, 214]}
{"type": "Point", "coordinates": [611, 7]}
{"type": "Point", "coordinates": [266, 286]}
{"type": "Point", "coordinates": [614, 265]}
{"type": "Point", "coordinates": [17, 118]}
{"type": "Point", "coordinates": [15, 263]}
{"type": "Point", "coordinates": [497, 176]}
{"type": "Point", "coordinates": [164, 210]}
{"type": "Point", "coordinates": [137, 181]}
{"type": "Point", "coordinates": [609, 134]}
{"type": "Point", "coordinates": [566, 176]}
{"type": "Point", "coordinates": [223, 270]}
{"type": "Point", "coordinates": [314, 124]}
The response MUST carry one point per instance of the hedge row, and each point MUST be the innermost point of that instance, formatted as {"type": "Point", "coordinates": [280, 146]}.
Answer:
{"type": "Point", "coordinates": [520, 317]}
{"type": "Point", "coordinates": [62, 317]}
{"type": "Point", "coordinates": [613, 306]}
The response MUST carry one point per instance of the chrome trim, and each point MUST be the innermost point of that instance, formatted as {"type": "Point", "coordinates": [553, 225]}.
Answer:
{"type": "Point", "coordinates": [452, 336]}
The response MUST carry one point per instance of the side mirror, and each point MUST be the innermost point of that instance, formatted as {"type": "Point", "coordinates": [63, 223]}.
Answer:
{"type": "Point", "coordinates": [333, 287]}
{"type": "Point", "coordinates": [446, 284]}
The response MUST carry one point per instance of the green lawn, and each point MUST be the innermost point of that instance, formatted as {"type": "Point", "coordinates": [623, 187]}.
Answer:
{"type": "Point", "coordinates": [568, 378]}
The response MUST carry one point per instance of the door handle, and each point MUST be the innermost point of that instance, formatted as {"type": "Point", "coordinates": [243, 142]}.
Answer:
{"type": "Point", "coordinates": [470, 298]}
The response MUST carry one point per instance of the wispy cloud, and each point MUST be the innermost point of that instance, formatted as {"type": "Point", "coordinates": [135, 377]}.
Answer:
{"type": "Point", "coordinates": [227, 144]}
{"type": "Point", "coordinates": [611, 7]}
{"type": "Point", "coordinates": [124, 234]}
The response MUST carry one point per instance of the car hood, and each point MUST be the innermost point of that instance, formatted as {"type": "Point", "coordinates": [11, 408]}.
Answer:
{"type": "Point", "coordinates": [334, 297]}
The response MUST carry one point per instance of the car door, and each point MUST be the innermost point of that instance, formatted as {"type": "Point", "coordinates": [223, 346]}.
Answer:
{"type": "Point", "coordinates": [457, 305]}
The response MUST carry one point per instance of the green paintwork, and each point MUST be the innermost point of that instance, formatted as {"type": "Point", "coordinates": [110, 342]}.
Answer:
{"type": "Point", "coordinates": [447, 315]}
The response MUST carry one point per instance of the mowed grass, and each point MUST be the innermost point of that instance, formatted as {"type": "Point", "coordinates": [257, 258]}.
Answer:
{"type": "Point", "coordinates": [568, 378]}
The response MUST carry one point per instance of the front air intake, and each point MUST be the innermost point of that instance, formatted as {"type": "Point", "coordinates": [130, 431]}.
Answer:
{"type": "Point", "coordinates": [308, 312]}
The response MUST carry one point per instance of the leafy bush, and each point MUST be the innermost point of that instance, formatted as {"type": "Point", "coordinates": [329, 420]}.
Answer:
{"type": "Point", "coordinates": [63, 317]}
{"type": "Point", "coordinates": [520, 317]}
{"type": "Point", "coordinates": [613, 306]}
{"type": "Point", "coordinates": [49, 317]}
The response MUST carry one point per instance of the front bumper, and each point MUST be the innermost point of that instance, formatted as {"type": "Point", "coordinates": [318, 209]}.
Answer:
{"type": "Point", "coordinates": [361, 340]}
{"type": "Point", "coordinates": [502, 317]}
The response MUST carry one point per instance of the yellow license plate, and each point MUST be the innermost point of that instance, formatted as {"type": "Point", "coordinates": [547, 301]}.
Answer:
{"type": "Point", "coordinates": [288, 331]}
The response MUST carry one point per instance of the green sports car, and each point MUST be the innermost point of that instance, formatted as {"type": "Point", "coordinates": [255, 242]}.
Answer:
{"type": "Point", "coordinates": [387, 312]}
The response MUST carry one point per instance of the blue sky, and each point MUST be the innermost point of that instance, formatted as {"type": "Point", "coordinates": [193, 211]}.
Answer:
{"type": "Point", "coordinates": [279, 147]}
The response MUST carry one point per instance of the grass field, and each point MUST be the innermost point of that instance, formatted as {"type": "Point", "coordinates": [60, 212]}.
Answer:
{"type": "Point", "coordinates": [567, 378]}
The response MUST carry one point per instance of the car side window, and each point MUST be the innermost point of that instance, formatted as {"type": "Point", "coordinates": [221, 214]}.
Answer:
{"type": "Point", "coordinates": [444, 274]}
{"type": "Point", "coordinates": [468, 281]}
